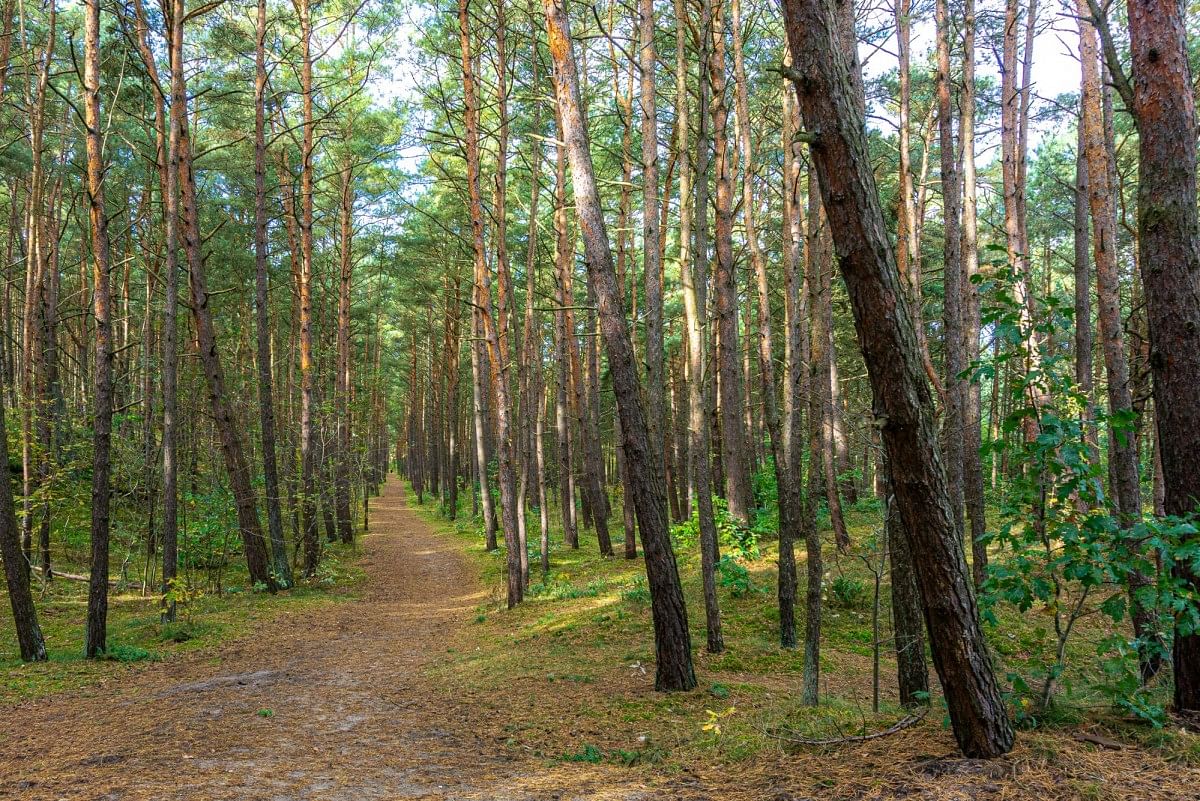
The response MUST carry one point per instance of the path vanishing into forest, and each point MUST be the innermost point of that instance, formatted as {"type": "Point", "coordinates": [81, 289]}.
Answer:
{"type": "Point", "coordinates": [351, 716]}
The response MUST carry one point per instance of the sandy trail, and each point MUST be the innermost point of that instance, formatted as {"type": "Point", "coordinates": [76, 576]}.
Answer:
{"type": "Point", "coordinates": [351, 715]}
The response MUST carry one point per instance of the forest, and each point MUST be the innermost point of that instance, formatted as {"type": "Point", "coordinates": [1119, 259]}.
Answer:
{"type": "Point", "coordinates": [473, 399]}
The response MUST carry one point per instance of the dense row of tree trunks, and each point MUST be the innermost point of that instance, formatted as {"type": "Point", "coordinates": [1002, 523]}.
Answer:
{"type": "Point", "coordinates": [486, 321]}
{"type": "Point", "coordinates": [57, 331]}
{"type": "Point", "coordinates": [266, 395]}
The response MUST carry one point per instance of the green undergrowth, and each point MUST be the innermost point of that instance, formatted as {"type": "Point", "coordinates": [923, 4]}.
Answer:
{"type": "Point", "coordinates": [570, 671]}
{"type": "Point", "coordinates": [135, 634]}
{"type": "Point", "coordinates": [582, 644]}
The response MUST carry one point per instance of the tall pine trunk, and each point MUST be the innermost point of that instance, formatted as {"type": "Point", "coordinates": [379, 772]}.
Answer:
{"type": "Point", "coordinates": [1169, 254]}
{"type": "Point", "coordinates": [266, 401]}
{"type": "Point", "coordinates": [972, 402]}
{"type": "Point", "coordinates": [733, 425]}
{"type": "Point", "coordinates": [1123, 459]}
{"type": "Point", "coordinates": [95, 636]}
{"type": "Point", "coordinates": [345, 527]}
{"type": "Point", "coordinates": [673, 669]}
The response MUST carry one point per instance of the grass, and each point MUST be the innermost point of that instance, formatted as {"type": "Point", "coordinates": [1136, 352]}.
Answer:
{"type": "Point", "coordinates": [567, 677]}
{"type": "Point", "coordinates": [570, 671]}
{"type": "Point", "coordinates": [137, 636]}
{"type": "Point", "coordinates": [590, 617]}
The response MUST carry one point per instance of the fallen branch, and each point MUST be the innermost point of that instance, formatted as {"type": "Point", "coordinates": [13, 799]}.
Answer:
{"type": "Point", "coordinates": [1096, 739]}
{"type": "Point", "coordinates": [898, 726]}
{"type": "Point", "coordinates": [112, 582]}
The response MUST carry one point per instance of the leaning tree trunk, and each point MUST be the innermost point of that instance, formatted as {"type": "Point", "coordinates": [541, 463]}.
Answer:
{"type": "Point", "coordinates": [831, 104]}
{"type": "Point", "coordinates": [29, 634]}
{"type": "Point", "coordinates": [912, 671]}
{"type": "Point", "coordinates": [249, 526]}
{"type": "Point", "coordinates": [673, 670]}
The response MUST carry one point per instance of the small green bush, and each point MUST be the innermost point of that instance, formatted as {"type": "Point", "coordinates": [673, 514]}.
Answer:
{"type": "Point", "coordinates": [731, 537]}
{"type": "Point", "coordinates": [177, 632]}
{"type": "Point", "coordinates": [129, 653]}
{"type": "Point", "coordinates": [590, 753]}
{"type": "Point", "coordinates": [848, 593]}
{"type": "Point", "coordinates": [732, 575]}
{"type": "Point", "coordinates": [638, 592]}
{"type": "Point", "coordinates": [558, 589]}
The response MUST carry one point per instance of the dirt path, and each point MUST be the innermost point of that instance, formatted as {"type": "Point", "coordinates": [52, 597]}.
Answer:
{"type": "Point", "coordinates": [324, 705]}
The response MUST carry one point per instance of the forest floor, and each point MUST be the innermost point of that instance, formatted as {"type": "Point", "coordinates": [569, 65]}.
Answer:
{"type": "Point", "coordinates": [421, 687]}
